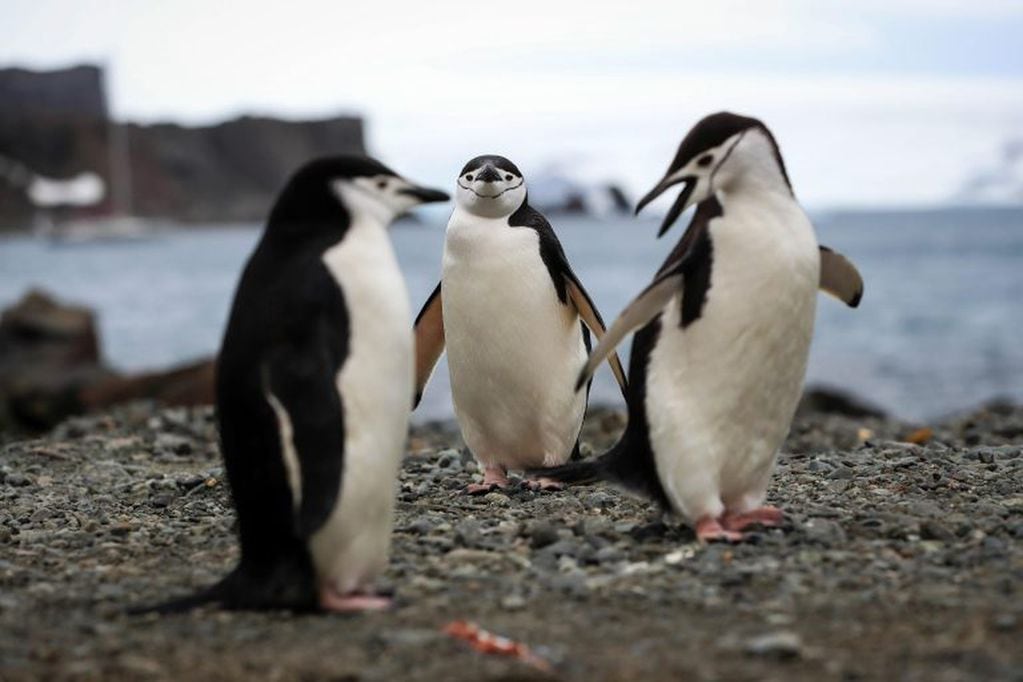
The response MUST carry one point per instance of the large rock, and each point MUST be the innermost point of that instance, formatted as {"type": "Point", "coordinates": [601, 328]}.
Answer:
{"type": "Point", "coordinates": [50, 368]}
{"type": "Point", "coordinates": [48, 351]}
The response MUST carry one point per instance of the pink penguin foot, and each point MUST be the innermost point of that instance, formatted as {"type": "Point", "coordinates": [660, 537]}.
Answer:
{"type": "Point", "coordinates": [332, 600]}
{"type": "Point", "coordinates": [710, 530]}
{"type": "Point", "coordinates": [543, 483]}
{"type": "Point", "coordinates": [765, 516]}
{"type": "Point", "coordinates": [494, 477]}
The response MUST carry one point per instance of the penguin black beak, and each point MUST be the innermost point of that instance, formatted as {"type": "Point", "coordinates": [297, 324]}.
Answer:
{"type": "Point", "coordinates": [424, 195]}
{"type": "Point", "coordinates": [676, 208]}
{"type": "Point", "coordinates": [488, 174]}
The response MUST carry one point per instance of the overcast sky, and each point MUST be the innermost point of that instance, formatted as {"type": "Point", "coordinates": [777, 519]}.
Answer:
{"type": "Point", "coordinates": [873, 102]}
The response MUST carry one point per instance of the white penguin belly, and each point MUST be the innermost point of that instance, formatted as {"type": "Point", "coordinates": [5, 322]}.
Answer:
{"type": "Point", "coordinates": [375, 383]}
{"type": "Point", "coordinates": [514, 350]}
{"type": "Point", "coordinates": [722, 392]}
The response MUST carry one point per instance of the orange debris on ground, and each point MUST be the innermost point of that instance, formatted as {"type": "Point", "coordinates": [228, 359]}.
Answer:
{"type": "Point", "coordinates": [920, 436]}
{"type": "Point", "coordinates": [488, 643]}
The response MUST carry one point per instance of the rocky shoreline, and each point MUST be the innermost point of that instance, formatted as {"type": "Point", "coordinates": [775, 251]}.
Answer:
{"type": "Point", "coordinates": [898, 560]}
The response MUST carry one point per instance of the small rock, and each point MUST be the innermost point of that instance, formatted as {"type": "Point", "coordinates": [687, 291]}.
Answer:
{"type": "Point", "coordinates": [562, 548]}
{"type": "Point", "coordinates": [935, 530]}
{"type": "Point", "coordinates": [410, 637]}
{"type": "Point", "coordinates": [782, 645]}
{"type": "Point", "coordinates": [652, 530]}
{"type": "Point", "coordinates": [824, 531]}
{"type": "Point", "coordinates": [541, 534]}
{"type": "Point", "coordinates": [420, 526]}
{"type": "Point", "coordinates": [842, 473]}
{"type": "Point", "coordinates": [607, 554]}
{"type": "Point", "coordinates": [170, 442]}
{"type": "Point", "coordinates": [18, 480]}
{"type": "Point", "coordinates": [598, 500]}
{"type": "Point", "coordinates": [161, 501]}
{"type": "Point", "coordinates": [498, 499]}
{"type": "Point", "coordinates": [1005, 622]}
{"type": "Point", "coordinates": [449, 459]}
{"type": "Point", "coordinates": [513, 602]}
{"type": "Point", "coordinates": [468, 533]}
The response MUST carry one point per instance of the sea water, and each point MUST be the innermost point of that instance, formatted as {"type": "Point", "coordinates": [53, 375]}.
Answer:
{"type": "Point", "coordinates": [939, 328]}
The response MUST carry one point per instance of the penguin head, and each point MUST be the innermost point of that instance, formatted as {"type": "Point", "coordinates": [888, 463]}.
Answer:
{"type": "Point", "coordinates": [357, 185]}
{"type": "Point", "coordinates": [720, 152]}
{"type": "Point", "coordinates": [490, 186]}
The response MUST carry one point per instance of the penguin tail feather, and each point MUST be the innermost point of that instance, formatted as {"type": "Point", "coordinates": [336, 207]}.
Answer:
{"type": "Point", "coordinates": [602, 468]}
{"type": "Point", "coordinates": [574, 473]}
{"type": "Point", "coordinates": [621, 465]}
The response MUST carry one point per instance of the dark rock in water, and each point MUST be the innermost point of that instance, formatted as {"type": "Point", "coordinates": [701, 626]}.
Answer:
{"type": "Point", "coordinates": [190, 384]}
{"type": "Point", "coordinates": [48, 351]}
{"type": "Point", "coordinates": [826, 400]}
{"type": "Point", "coordinates": [50, 368]}
{"type": "Point", "coordinates": [38, 330]}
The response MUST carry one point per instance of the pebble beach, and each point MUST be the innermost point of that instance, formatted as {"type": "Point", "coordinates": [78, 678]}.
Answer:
{"type": "Point", "coordinates": [898, 560]}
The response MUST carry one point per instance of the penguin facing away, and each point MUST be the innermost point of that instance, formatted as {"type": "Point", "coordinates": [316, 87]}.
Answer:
{"type": "Point", "coordinates": [312, 388]}
{"type": "Point", "coordinates": [515, 321]}
{"type": "Point", "coordinates": [724, 332]}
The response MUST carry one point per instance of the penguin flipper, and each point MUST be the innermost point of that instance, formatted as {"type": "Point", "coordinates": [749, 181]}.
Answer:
{"type": "Point", "coordinates": [299, 380]}
{"type": "Point", "coordinates": [642, 309]}
{"type": "Point", "coordinates": [840, 278]}
{"type": "Point", "coordinates": [591, 316]}
{"type": "Point", "coordinates": [429, 333]}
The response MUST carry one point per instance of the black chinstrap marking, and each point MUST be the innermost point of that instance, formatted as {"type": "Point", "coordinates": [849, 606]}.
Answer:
{"type": "Point", "coordinates": [492, 196]}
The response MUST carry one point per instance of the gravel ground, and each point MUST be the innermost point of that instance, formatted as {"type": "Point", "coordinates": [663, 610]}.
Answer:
{"type": "Point", "coordinates": [898, 561]}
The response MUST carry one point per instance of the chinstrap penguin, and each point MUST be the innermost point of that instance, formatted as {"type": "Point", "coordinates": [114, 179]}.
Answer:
{"type": "Point", "coordinates": [515, 321]}
{"type": "Point", "coordinates": [312, 389]}
{"type": "Point", "coordinates": [719, 359]}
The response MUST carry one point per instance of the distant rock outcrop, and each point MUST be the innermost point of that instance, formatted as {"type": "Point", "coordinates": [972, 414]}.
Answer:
{"type": "Point", "coordinates": [55, 125]}
{"type": "Point", "coordinates": [555, 192]}
{"type": "Point", "coordinates": [51, 123]}
{"type": "Point", "coordinates": [230, 171]}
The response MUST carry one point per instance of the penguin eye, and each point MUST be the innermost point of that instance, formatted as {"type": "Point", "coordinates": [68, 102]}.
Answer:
{"type": "Point", "coordinates": [508, 177]}
{"type": "Point", "coordinates": [705, 161]}
{"type": "Point", "coordinates": [382, 184]}
{"type": "Point", "coordinates": [468, 176]}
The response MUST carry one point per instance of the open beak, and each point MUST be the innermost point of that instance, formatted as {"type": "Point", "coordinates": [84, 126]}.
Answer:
{"type": "Point", "coordinates": [425, 195]}
{"type": "Point", "coordinates": [680, 203]}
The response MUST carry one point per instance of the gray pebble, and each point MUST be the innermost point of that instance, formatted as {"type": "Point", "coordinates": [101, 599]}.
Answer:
{"type": "Point", "coordinates": [824, 531]}
{"type": "Point", "coordinates": [842, 473]}
{"type": "Point", "coordinates": [781, 645]}
{"type": "Point", "coordinates": [18, 480]}
{"type": "Point", "coordinates": [541, 534]}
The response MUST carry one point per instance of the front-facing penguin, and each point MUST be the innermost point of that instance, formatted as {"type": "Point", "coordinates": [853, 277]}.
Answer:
{"type": "Point", "coordinates": [312, 391]}
{"type": "Point", "coordinates": [508, 309]}
{"type": "Point", "coordinates": [717, 367]}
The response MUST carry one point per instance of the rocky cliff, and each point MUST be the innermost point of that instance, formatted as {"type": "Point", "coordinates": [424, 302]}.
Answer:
{"type": "Point", "coordinates": [55, 124]}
